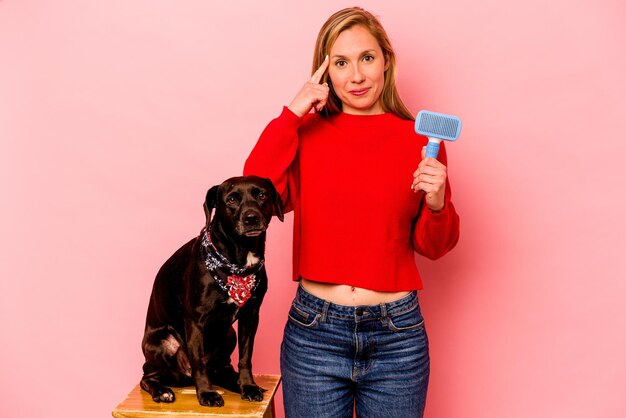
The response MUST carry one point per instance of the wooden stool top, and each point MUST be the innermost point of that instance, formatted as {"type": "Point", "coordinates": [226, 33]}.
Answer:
{"type": "Point", "coordinates": [139, 404]}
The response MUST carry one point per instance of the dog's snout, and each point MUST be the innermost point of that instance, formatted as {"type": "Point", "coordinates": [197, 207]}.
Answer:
{"type": "Point", "coordinates": [251, 218]}
{"type": "Point", "coordinates": [250, 222]}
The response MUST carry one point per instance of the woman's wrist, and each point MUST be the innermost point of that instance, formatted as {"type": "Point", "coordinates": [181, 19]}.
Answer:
{"type": "Point", "coordinates": [437, 209]}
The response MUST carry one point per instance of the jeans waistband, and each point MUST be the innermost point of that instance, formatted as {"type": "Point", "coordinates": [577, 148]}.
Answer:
{"type": "Point", "coordinates": [382, 310]}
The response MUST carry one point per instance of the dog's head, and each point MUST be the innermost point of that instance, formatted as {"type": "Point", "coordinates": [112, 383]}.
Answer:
{"type": "Point", "coordinates": [244, 205]}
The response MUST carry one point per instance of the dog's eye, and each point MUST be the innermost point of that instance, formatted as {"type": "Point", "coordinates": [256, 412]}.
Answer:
{"type": "Point", "coordinates": [232, 199]}
{"type": "Point", "coordinates": [262, 195]}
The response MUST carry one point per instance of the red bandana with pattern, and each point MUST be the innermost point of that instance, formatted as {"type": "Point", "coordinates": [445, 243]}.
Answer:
{"type": "Point", "coordinates": [240, 288]}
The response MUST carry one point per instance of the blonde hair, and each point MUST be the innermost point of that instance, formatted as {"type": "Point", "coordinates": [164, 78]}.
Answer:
{"type": "Point", "coordinates": [346, 19]}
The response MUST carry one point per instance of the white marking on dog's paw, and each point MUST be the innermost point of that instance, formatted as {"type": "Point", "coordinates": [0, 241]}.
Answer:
{"type": "Point", "coordinates": [166, 397]}
{"type": "Point", "coordinates": [252, 260]}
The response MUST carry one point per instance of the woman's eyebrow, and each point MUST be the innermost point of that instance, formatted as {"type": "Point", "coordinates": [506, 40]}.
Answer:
{"type": "Point", "coordinates": [367, 51]}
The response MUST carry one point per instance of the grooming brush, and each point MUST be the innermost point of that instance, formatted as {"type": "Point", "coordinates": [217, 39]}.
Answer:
{"type": "Point", "coordinates": [437, 126]}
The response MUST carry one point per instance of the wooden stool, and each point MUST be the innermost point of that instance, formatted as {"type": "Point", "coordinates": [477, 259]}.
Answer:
{"type": "Point", "coordinates": [139, 404]}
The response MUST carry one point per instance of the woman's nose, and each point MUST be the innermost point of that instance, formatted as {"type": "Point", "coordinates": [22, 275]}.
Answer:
{"type": "Point", "coordinates": [357, 75]}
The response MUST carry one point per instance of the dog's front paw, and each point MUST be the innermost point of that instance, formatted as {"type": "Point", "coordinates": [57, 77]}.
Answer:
{"type": "Point", "coordinates": [164, 395]}
{"type": "Point", "coordinates": [252, 393]}
{"type": "Point", "coordinates": [211, 398]}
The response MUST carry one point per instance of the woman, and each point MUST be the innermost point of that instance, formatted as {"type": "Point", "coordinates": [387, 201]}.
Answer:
{"type": "Point", "coordinates": [344, 157]}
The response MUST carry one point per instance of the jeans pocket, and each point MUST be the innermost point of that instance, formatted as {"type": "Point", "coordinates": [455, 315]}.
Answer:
{"type": "Point", "coordinates": [406, 321]}
{"type": "Point", "coordinates": [303, 316]}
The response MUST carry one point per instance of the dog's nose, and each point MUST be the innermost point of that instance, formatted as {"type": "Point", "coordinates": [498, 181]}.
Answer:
{"type": "Point", "coordinates": [251, 218]}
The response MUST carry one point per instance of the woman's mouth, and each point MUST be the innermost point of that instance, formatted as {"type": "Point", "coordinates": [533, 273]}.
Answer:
{"type": "Point", "coordinates": [359, 92]}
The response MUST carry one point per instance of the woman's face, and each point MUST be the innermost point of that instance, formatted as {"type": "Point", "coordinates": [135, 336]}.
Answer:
{"type": "Point", "coordinates": [357, 71]}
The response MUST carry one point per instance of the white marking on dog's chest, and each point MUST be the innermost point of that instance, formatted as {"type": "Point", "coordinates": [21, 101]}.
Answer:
{"type": "Point", "coordinates": [251, 260]}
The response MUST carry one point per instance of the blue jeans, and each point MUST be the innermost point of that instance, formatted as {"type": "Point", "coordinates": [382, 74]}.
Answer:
{"type": "Point", "coordinates": [334, 358]}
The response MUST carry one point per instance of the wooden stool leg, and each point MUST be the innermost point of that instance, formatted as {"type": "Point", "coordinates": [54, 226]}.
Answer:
{"type": "Point", "coordinates": [271, 411]}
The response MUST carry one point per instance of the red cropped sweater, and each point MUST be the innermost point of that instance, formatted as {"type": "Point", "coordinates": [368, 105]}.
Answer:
{"type": "Point", "coordinates": [348, 179]}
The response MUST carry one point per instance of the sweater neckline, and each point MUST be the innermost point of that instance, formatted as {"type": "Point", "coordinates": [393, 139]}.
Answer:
{"type": "Point", "coordinates": [348, 119]}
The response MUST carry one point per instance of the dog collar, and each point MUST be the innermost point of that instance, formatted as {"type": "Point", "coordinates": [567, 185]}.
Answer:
{"type": "Point", "coordinates": [238, 282]}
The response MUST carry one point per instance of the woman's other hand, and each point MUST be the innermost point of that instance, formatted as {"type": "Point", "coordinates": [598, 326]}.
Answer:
{"type": "Point", "coordinates": [312, 94]}
{"type": "Point", "coordinates": [430, 177]}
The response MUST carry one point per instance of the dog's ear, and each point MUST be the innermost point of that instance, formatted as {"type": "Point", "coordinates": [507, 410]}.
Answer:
{"type": "Point", "coordinates": [278, 202]}
{"type": "Point", "coordinates": [210, 203]}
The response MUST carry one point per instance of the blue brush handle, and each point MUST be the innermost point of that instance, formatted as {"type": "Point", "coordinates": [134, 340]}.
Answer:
{"type": "Point", "coordinates": [432, 149]}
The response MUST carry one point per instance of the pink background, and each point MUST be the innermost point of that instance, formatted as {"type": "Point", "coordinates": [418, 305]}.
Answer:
{"type": "Point", "coordinates": [116, 116]}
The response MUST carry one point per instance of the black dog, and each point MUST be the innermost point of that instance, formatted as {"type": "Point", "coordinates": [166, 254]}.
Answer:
{"type": "Point", "coordinates": [210, 282]}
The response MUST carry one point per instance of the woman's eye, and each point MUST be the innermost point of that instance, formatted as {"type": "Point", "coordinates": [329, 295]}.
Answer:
{"type": "Point", "coordinates": [368, 58]}
{"type": "Point", "coordinates": [340, 63]}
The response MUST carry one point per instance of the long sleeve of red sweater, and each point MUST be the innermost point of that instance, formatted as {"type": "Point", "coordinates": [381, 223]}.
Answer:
{"type": "Point", "coordinates": [444, 224]}
{"type": "Point", "coordinates": [274, 155]}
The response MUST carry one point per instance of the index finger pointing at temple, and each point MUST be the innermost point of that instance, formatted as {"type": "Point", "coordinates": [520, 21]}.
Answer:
{"type": "Point", "coordinates": [317, 75]}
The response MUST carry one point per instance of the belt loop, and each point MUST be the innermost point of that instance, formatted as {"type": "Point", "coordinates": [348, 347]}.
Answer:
{"type": "Point", "coordinates": [325, 311]}
{"type": "Point", "coordinates": [383, 312]}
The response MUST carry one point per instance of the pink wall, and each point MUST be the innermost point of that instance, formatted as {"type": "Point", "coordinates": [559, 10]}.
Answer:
{"type": "Point", "coordinates": [116, 116]}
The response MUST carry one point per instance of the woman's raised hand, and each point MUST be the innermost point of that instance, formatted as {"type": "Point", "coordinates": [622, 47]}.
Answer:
{"type": "Point", "coordinates": [430, 177]}
{"type": "Point", "coordinates": [312, 94]}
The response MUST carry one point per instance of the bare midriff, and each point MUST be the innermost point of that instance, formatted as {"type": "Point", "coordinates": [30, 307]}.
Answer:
{"type": "Point", "coordinates": [349, 295]}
